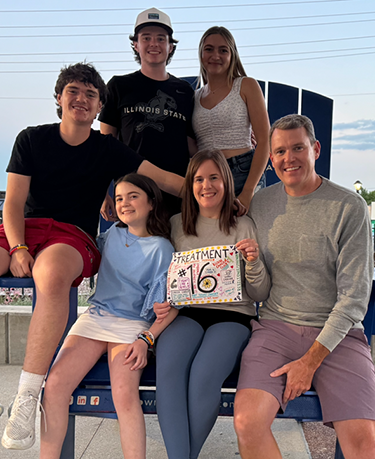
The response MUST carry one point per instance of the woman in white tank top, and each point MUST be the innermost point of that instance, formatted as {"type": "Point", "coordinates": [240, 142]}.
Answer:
{"type": "Point", "coordinates": [227, 108]}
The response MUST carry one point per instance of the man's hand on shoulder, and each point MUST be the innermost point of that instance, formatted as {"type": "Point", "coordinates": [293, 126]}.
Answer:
{"type": "Point", "coordinates": [245, 199]}
{"type": "Point", "coordinates": [299, 373]}
{"type": "Point", "coordinates": [239, 208]}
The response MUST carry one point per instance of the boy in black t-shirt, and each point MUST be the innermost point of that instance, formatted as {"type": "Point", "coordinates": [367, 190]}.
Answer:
{"type": "Point", "coordinates": [150, 110]}
{"type": "Point", "coordinates": [57, 178]}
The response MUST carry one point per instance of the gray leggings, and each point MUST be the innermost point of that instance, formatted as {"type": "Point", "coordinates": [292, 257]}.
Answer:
{"type": "Point", "coordinates": [191, 366]}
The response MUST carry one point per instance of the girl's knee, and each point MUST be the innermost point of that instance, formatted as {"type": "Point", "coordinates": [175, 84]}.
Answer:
{"type": "Point", "coordinates": [55, 390]}
{"type": "Point", "coordinates": [126, 400]}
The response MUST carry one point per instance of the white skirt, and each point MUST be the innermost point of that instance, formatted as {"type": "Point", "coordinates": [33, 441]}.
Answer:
{"type": "Point", "coordinates": [107, 327]}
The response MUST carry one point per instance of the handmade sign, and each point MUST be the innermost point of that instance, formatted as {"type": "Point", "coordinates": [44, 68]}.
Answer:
{"type": "Point", "coordinates": [205, 275]}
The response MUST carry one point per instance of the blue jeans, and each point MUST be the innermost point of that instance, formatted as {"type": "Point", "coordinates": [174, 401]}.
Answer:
{"type": "Point", "coordinates": [240, 167]}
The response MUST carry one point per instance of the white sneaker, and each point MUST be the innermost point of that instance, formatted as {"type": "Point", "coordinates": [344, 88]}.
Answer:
{"type": "Point", "coordinates": [20, 429]}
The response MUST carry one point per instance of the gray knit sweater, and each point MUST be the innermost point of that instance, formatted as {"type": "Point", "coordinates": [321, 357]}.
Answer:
{"type": "Point", "coordinates": [318, 251]}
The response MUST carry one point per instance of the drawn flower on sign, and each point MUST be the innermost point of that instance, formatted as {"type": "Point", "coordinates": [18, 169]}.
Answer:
{"type": "Point", "coordinates": [206, 284]}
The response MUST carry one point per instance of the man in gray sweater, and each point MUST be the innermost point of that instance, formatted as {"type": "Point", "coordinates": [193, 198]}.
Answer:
{"type": "Point", "coordinates": [315, 239]}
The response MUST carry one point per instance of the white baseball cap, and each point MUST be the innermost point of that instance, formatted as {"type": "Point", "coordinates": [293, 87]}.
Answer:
{"type": "Point", "coordinates": [153, 16]}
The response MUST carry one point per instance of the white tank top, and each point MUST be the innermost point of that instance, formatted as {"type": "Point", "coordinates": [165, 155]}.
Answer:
{"type": "Point", "coordinates": [226, 126]}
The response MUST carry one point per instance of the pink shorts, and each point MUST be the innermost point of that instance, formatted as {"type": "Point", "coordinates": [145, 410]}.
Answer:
{"type": "Point", "coordinates": [41, 233]}
{"type": "Point", "coordinates": [345, 381]}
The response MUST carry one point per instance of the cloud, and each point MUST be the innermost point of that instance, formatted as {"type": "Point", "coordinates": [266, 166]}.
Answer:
{"type": "Point", "coordinates": [358, 125]}
{"type": "Point", "coordinates": [356, 135]}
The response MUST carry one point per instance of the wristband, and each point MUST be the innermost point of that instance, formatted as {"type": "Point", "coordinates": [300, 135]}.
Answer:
{"type": "Point", "coordinates": [143, 338]}
{"type": "Point", "coordinates": [150, 335]}
{"type": "Point", "coordinates": [18, 247]}
{"type": "Point", "coordinates": [148, 338]}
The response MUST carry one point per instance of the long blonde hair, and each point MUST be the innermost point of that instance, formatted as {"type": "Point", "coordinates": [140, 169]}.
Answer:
{"type": "Point", "coordinates": [235, 69]}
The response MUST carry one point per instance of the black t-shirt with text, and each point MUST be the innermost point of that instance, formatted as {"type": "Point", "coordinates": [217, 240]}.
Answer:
{"type": "Point", "coordinates": [154, 119]}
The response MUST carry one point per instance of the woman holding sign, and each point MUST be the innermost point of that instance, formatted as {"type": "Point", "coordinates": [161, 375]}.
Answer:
{"type": "Point", "coordinates": [217, 272]}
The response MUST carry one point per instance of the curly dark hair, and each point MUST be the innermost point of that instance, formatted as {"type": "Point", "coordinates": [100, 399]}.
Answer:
{"type": "Point", "coordinates": [85, 73]}
{"type": "Point", "coordinates": [158, 220]}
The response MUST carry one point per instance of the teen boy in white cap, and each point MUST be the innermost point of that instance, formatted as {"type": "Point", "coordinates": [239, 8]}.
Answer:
{"type": "Point", "coordinates": [150, 110]}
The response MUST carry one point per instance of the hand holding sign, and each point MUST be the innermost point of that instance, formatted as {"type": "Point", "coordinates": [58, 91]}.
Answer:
{"type": "Point", "coordinates": [161, 310]}
{"type": "Point", "coordinates": [205, 275]}
{"type": "Point", "coordinates": [249, 249]}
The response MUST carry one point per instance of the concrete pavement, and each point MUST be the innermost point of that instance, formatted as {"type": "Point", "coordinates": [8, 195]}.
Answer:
{"type": "Point", "coordinates": [98, 438]}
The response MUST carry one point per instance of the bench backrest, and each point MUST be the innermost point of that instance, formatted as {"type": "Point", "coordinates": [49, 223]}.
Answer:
{"type": "Point", "coordinates": [282, 100]}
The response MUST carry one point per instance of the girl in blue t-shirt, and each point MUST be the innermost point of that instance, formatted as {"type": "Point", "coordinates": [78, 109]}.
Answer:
{"type": "Point", "coordinates": [136, 253]}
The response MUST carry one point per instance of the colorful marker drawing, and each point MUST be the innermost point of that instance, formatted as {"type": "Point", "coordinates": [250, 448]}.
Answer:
{"type": "Point", "coordinates": [205, 275]}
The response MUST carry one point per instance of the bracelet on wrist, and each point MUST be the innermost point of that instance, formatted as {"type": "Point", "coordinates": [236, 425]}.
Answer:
{"type": "Point", "coordinates": [18, 247]}
{"type": "Point", "coordinates": [143, 338]}
{"type": "Point", "coordinates": [148, 338]}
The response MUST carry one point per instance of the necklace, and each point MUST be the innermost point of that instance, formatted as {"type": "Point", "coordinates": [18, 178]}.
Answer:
{"type": "Point", "coordinates": [126, 240]}
{"type": "Point", "coordinates": [210, 91]}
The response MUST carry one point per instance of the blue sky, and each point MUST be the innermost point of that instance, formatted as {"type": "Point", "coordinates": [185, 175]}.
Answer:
{"type": "Point", "coordinates": [323, 46]}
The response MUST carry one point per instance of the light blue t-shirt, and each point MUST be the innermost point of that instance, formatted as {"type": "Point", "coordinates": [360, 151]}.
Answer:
{"type": "Point", "coordinates": [132, 278]}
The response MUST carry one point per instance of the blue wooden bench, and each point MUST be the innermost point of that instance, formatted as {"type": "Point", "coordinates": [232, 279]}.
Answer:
{"type": "Point", "coordinates": [93, 396]}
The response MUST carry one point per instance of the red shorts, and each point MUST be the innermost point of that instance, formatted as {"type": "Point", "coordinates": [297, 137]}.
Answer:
{"type": "Point", "coordinates": [41, 233]}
